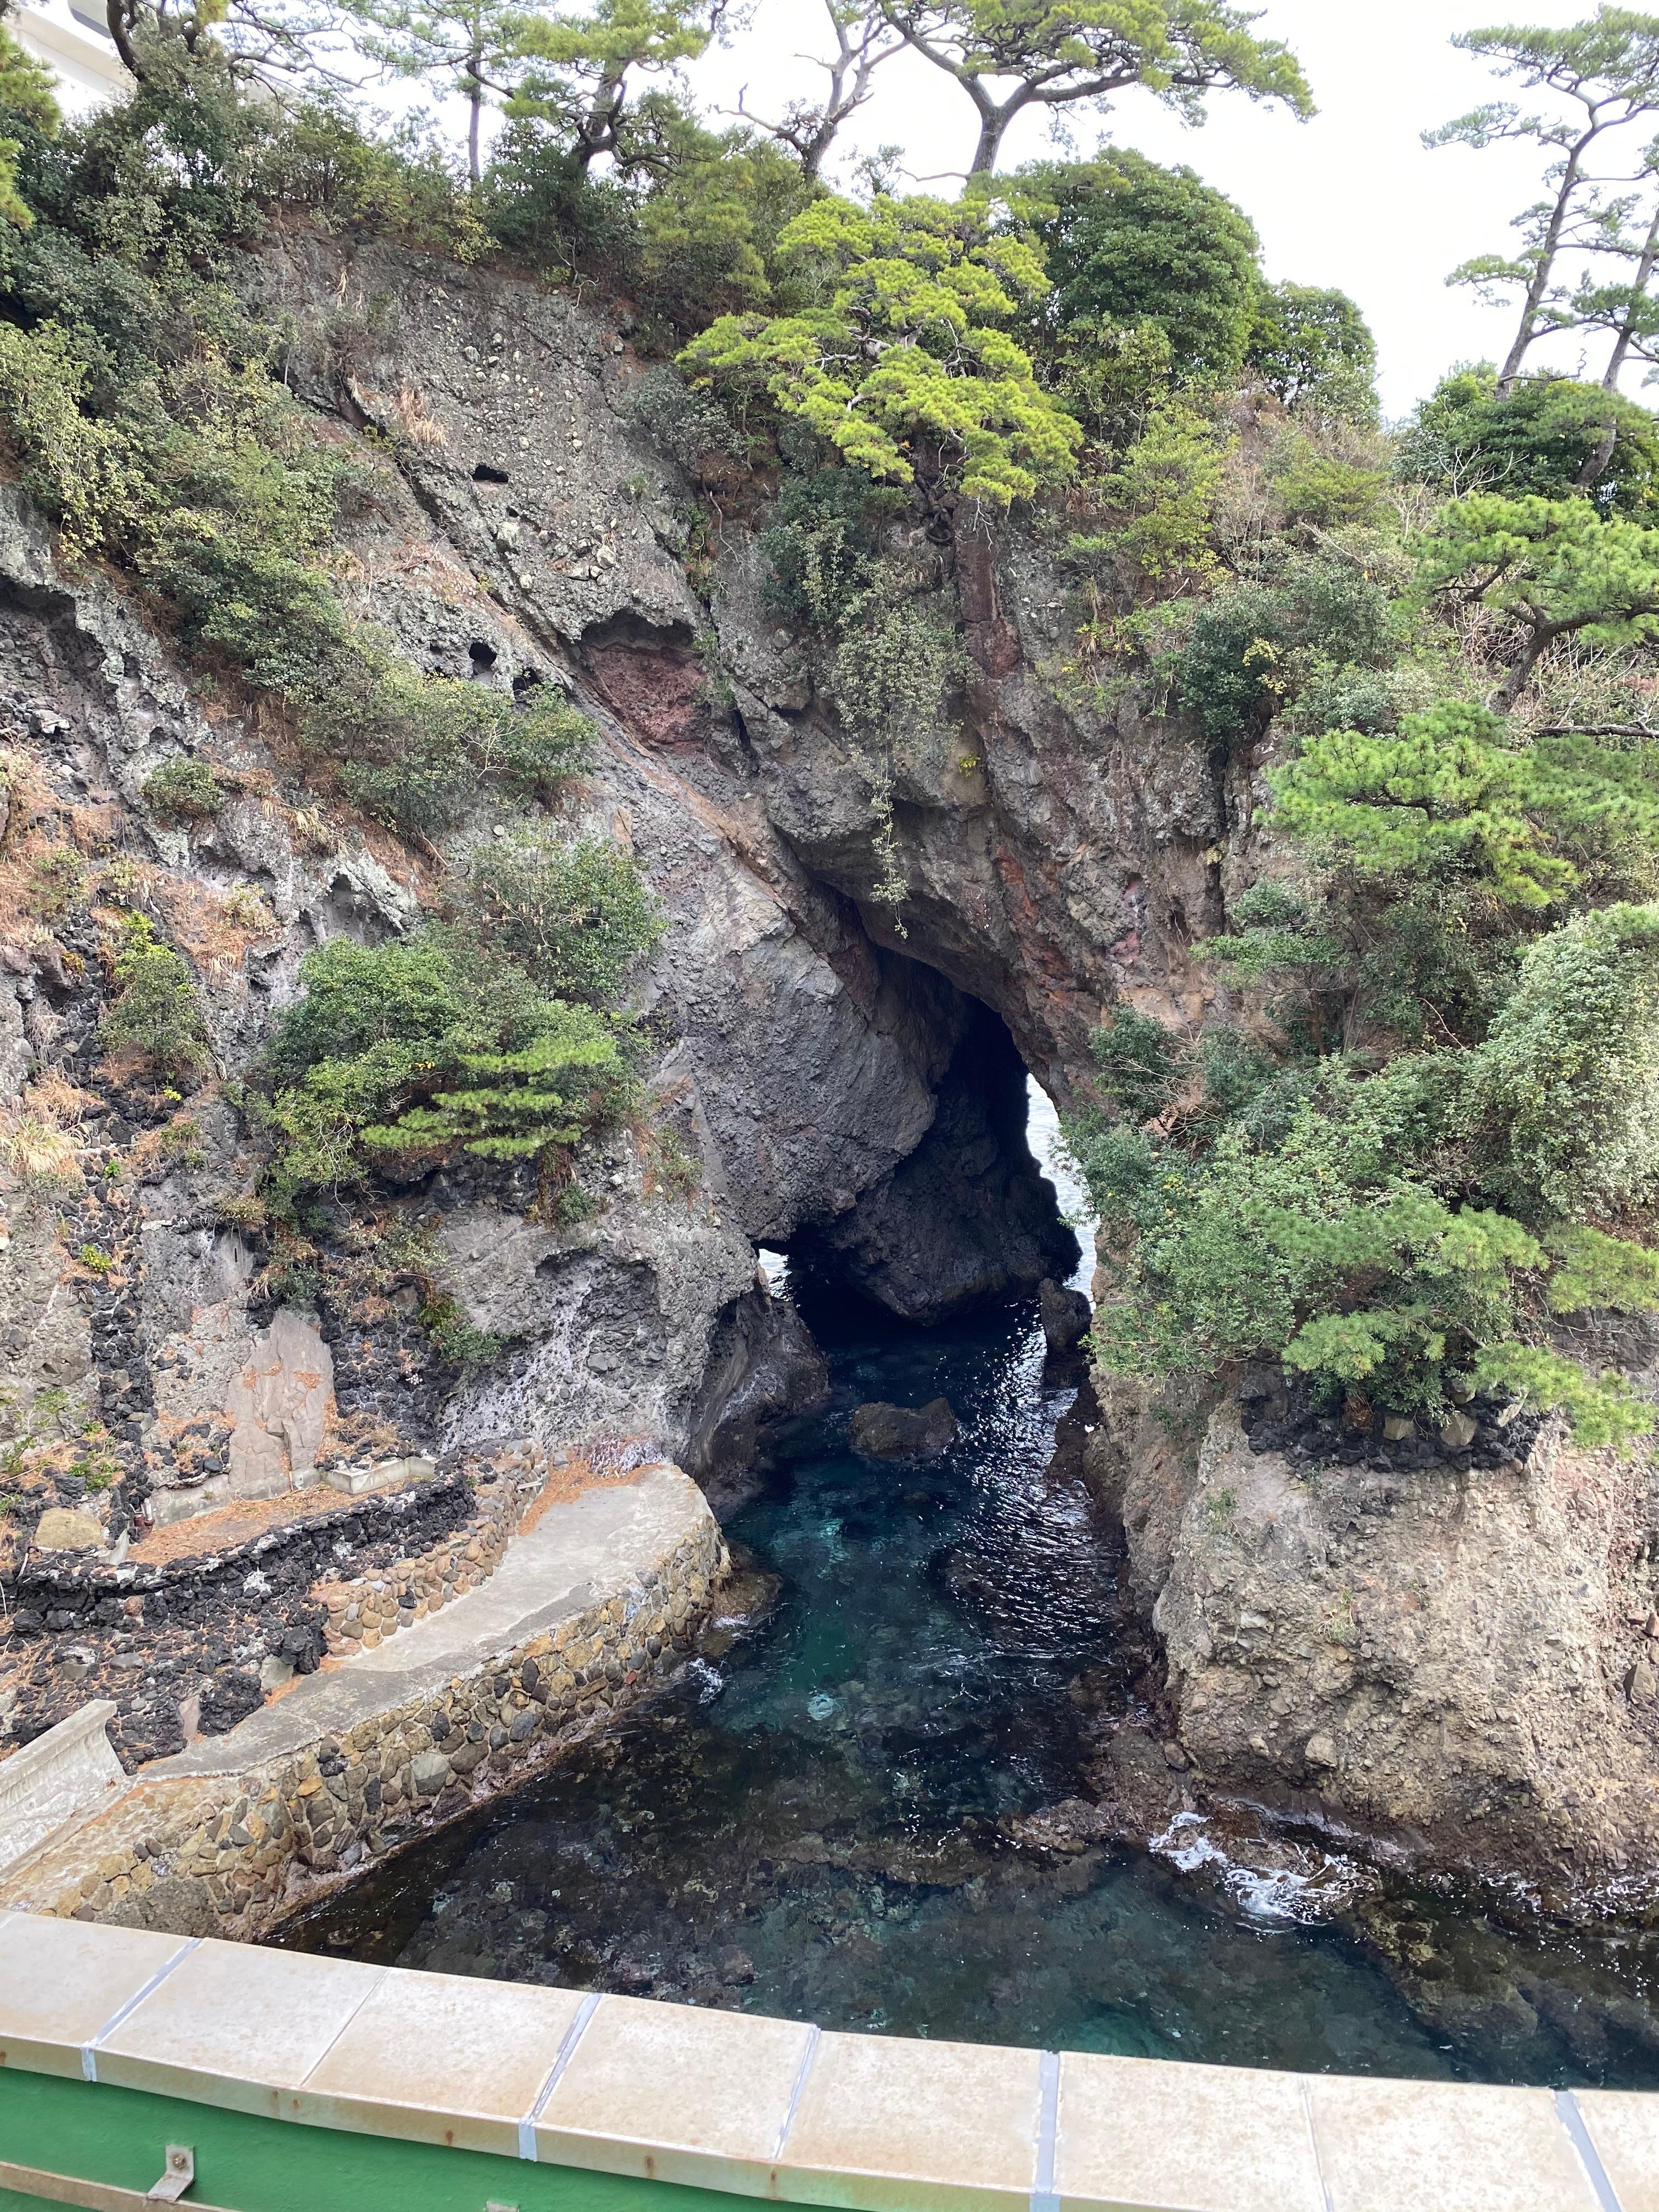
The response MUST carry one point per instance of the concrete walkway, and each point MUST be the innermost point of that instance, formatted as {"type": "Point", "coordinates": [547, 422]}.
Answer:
{"type": "Point", "coordinates": [580, 1553]}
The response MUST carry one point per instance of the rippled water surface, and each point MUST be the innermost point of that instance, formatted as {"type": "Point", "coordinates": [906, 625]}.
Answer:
{"type": "Point", "coordinates": [807, 1821]}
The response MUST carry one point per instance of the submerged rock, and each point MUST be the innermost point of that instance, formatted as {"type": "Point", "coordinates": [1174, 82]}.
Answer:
{"type": "Point", "coordinates": [883, 1431]}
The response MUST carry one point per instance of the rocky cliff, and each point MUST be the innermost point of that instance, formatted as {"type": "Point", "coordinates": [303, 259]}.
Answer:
{"type": "Point", "coordinates": [1444, 1643]}
{"type": "Point", "coordinates": [827, 1088]}
{"type": "Point", "coordinates": [1453, 1651]}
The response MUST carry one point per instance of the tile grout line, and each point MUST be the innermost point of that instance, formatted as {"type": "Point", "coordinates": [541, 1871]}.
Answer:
{"type": "Point", "coordinates": [89, 2049]}
{"type": "Point", "coordinates": [1043, 2198]}
{"type": "Point", "coordinates": [1572, 2120]}
{"type": "Point", "coordinates": [1313, 2145]}
{"type": "Point", "coordinates": [798, 2091]}
{"type": "Point", "coordinates": [341, 2029]}
{"type": "Point", "coordinates": [566, 2052]}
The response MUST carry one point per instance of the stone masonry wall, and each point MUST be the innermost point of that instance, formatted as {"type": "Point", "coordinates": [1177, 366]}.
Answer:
{"type": "Point", "coordinates": [365, 1609]}
{"type": "Point", "coordinates": [233, 1856]}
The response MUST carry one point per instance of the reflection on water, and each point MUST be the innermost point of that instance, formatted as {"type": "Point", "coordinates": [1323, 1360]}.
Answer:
{"type": "Point", "coordinates": [806, 1822]}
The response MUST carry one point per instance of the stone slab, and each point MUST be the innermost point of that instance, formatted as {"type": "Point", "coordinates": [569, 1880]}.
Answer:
{"type": "Point", "coordinates": [67, 1774]}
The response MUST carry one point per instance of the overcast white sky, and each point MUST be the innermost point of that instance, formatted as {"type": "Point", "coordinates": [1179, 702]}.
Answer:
{"type": "Point", "coordinates": [1350, 198]}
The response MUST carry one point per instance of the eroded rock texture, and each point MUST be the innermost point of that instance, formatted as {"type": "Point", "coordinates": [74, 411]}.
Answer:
{"type": "Point", "coordinates": [1455, 1655]}
{"type": "Point", "coordinates": [845, 1079]}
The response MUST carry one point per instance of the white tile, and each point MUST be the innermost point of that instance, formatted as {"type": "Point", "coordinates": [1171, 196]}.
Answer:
{"type": "Point", "coordinates": [674, 2093]}
{"type": "Point", "coordinates": [892, 2124]}
{"type": "Point", "coordinates": [235, 2025]}
{"type": "Point", "coordinates": [1160, 2134]}
{"type": "Point", "coordinates": [62, 1980]}
{"type": "Point", "coordinates": [439, 2058]}
{"type": "Point", "coordinates": [1437, 2147]}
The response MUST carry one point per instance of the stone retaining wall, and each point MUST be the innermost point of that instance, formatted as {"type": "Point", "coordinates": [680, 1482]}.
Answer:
{"type": "Point", "coordinates": [62, 1775]}
{"type": "Point", "coordinates": [364, 1610]}
{"type": "Point", "coordinates": [233, 1854]}
{"type": "Point", "coordinates": [223, 1626]}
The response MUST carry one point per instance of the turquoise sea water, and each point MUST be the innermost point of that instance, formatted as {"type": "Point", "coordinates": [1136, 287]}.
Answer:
{"type": "Point", "coordinates": [813, 1819]}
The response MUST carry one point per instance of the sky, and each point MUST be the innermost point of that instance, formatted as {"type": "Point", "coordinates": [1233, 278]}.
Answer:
{"type": "Point", "coordinates": [1352, 198]}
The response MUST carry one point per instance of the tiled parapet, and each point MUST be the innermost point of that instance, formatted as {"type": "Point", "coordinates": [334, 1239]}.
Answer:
{"type": "Point", "coordinates": [668, 2098]}
{"type": "Point", "coordinates": [238, 1833]}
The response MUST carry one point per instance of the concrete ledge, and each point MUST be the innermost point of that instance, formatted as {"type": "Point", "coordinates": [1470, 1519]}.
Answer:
{"type": "Point", "coordinates": [63, 1776]}
{"type": "Point", "coordinates": [230, 1836]}
{"type": "Point", "coordinates": [772, 2109]}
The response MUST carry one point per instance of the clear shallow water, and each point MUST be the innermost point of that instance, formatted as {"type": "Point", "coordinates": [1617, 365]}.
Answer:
{"type": "Point", "coordinates": [806, 1821]}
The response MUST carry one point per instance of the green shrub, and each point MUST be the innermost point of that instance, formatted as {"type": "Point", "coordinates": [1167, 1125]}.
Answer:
{"type": "Point", "coordinates": [1127, 243]}
{"type": "Point", "coordinates": [1276, 930]}
{"type": "Point", "coordinates": [515, 1105]}
{"type": "Point", "coordinates": [1141, 1063]}
{"type": "Point", "coordinates": [183, 790]}
{"type": "Point", "coordinates": [1310, 1251]}
{"type": "Point", "coordinates": [1309, 618]}
{"type": "Point", "coordinates": [1452, 789]}
{"type": "Point", "coordinates": [1536, 437]}
{"type": "Point", "coordinates": [56, 884]}
{"type": "Point", "coordinates": [1564, 1090]}
{"type": "Point", "coordinates": [823, 545]}
{"type": "Point", "coordinates": [415, 749]}
{"type": "Point", "coordinates": [155, 1011]}
{"type": "Point", "coordinates": [1160, 499]}
{"type": "Point", "coordinates": [81, 472]}
{"type": "Point", "coordinates": [422, 1049]}
{"type": "Point", "coordinates": [575, 917]}
{"type": "Point", "coordinates": [1313, 348]}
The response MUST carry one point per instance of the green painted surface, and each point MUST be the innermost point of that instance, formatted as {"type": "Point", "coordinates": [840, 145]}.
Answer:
{"type": "Point", "coordinates": [120, 2136]}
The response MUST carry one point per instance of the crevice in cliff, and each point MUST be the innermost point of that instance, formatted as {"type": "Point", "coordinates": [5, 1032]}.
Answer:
{"type": "Point", "coordinates": [968, 1219]}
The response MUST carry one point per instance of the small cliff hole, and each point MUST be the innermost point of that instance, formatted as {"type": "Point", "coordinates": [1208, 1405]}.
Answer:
{"type": "Point", "coordinates": [482, 656]}
{"type": "Point", "coordinates": [483, 473]}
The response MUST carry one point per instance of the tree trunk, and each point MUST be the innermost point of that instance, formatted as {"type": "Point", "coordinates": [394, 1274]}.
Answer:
{"type": "Point", "coordinates": [1644, 268]}
{"type": "Point", "coordinates": [115, 15]}
{"type": "Point", "coordinates": [994, 123]}
{"type": "Point", "coordinates": [1539, 640]}
{"type": "Point", "coordinates": [475, 62]}
{"type": "Point", "coordinates": [1548, 248]}
{"type": "Point", "coordinates": [1597, 466]}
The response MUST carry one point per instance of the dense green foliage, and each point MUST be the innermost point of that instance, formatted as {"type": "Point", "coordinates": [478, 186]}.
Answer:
{"type": "Point", "coordinates": [1312, 346]}
{"type": "Point", "coordinates": [904, 363]}
{"type": "Point", "coordinates": [1128, 244]}
{"type": "Point", "coordinates": [414, 1052]}
{"type": "Point", "coordinates": [574, 917]}
{"type": "Point", "coordinates": [155, 1013]}
{"type": "Point", "coordinates": [1538, 437]}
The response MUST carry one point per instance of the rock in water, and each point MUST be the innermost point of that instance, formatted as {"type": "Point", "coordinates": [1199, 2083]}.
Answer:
{"type": "Point", "coordinates": [884, 1431]}
{"type": "Point", "coordinates": [1066, 1316]}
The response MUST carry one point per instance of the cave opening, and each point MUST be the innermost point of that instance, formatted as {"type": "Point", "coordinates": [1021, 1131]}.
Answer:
{"type": "Point", "coordinates": [972, 1216]}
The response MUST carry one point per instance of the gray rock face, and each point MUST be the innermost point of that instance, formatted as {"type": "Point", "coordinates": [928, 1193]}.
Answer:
{"type": "Point", "coordinates": [968, 1218]}
{"type": "Point", "coordinates": [1453, 1657]}
{"type": "Point", "coordinates": [1066, 1316]}
{"type": "Point", "coordinates": [884, 1431]}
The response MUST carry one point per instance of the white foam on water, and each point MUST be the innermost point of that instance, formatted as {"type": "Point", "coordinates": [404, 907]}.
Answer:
{"type": "Point", "coordinates": [1282, 1896]}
